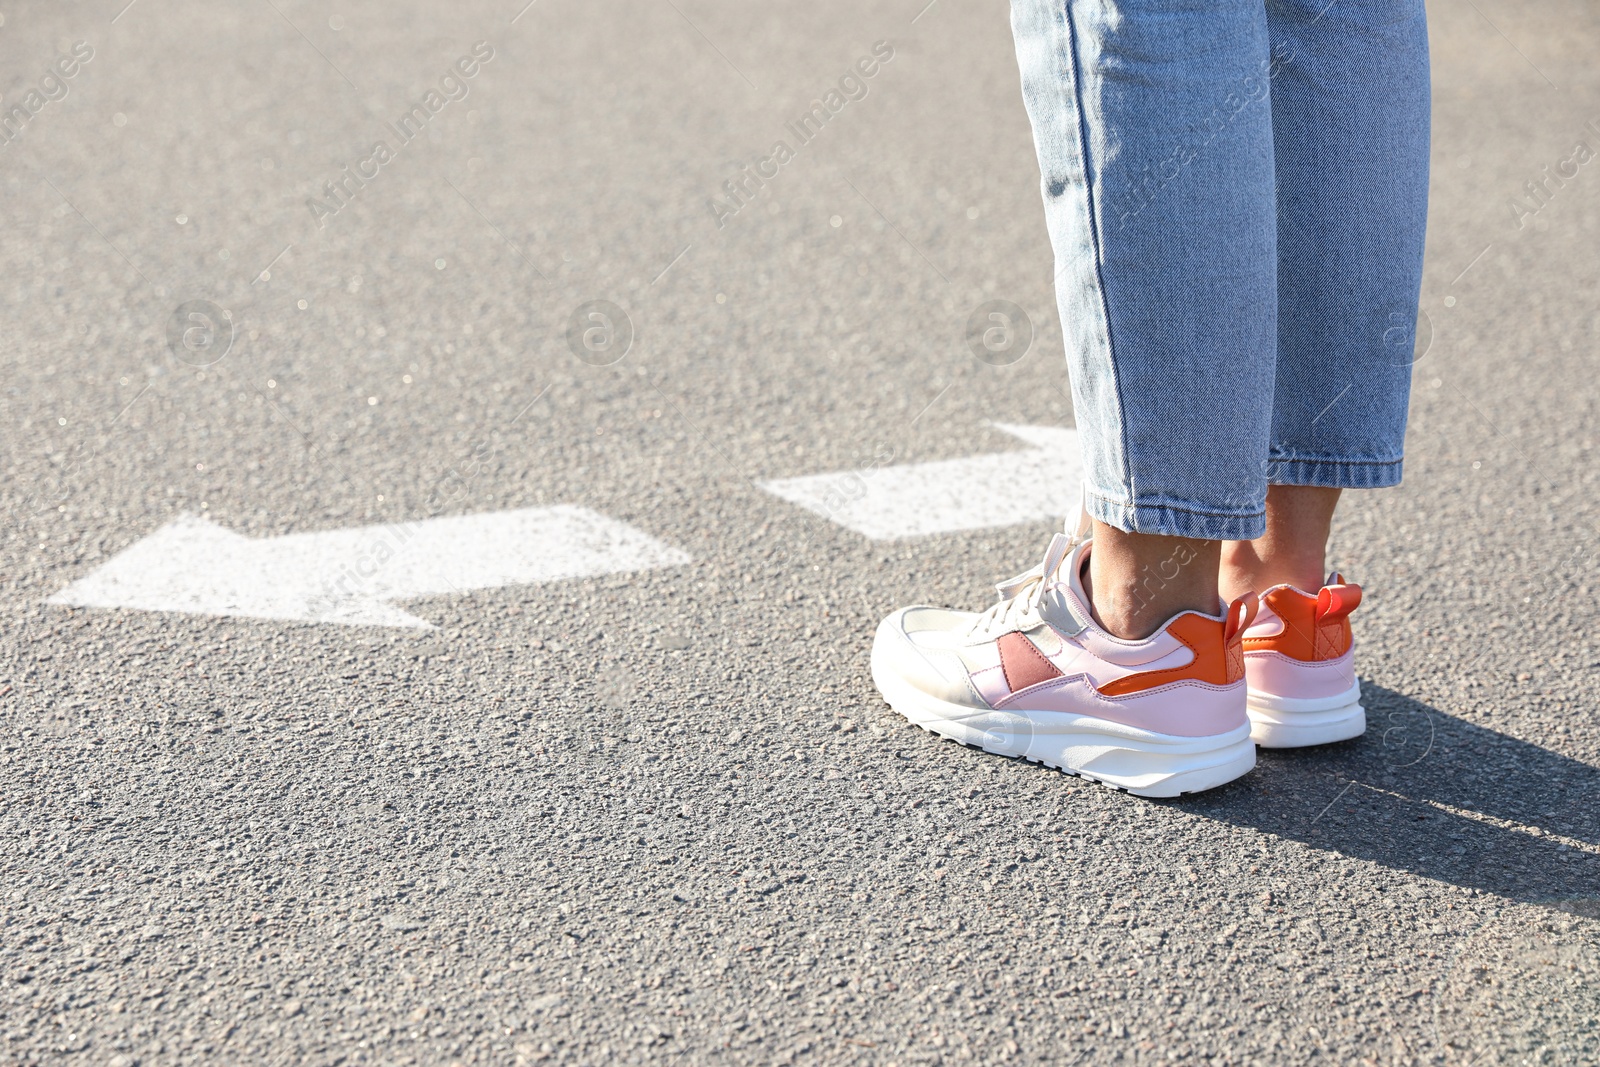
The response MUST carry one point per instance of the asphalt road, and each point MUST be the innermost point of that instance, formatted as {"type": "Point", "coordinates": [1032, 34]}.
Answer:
{"type": "Point", "coordinates": [662, 816]}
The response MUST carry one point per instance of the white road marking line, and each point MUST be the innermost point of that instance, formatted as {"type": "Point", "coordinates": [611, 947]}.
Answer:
{"type": "Point", "coordinates": [919, 499]}
{"type": "Point", "coordinates": [194, 566]}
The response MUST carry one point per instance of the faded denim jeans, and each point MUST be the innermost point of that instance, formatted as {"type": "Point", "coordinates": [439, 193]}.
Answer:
{"type": "Point", "coordinates": [1236, 191]}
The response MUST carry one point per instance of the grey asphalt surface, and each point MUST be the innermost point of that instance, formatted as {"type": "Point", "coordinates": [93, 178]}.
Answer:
{"type": "Point", "coordinates": [664, 817]}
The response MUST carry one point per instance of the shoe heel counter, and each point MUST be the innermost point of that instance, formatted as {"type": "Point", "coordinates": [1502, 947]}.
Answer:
{"type": "Point", "coordinates": [1218, 648]}
{"type": "Point", "coordinates": [1315, 629]}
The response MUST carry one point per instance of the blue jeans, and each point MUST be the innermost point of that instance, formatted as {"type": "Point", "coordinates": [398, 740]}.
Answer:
{"type": "Point", "coordinates": [1236, 191]}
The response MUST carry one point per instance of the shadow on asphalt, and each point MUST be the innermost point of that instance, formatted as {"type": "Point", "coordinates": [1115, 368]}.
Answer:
{"type": "Point", "coordinates": [1427, 793]}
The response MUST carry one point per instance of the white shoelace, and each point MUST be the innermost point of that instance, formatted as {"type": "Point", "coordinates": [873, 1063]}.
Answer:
{"type": "Point", "coordinates": [1020, 596]}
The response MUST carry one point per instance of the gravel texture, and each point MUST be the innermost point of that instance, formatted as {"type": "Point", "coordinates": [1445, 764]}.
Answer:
{"type": "Point", "coordinates": [664, 817]}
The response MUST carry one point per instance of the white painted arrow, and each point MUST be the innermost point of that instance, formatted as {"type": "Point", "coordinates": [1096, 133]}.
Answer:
{"type": "Point", "coordinates": [192, 565]}
{"type": "Point", "coordinates": [914, 500]}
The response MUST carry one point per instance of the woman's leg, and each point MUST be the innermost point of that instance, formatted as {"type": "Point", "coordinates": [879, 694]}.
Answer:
{"type": "Point", "coordinates": [1136, 582]}
{"type": "Point", "coordinates": [1293, 551]}
{"type": "Point", "coordinates": [1350, 107]}
{"type": "Point", "coordinates": [1350, 130]}
{"type": "Point", "coordinates": [1154, 136]}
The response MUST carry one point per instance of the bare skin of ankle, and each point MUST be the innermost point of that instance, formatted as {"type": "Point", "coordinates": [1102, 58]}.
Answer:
{"type": "Point", "coordinates": [1136, 582]}
{"type": "Point", "coordinates": [1293, 551]}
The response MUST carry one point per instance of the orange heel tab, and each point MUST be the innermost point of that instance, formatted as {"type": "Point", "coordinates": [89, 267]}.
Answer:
{"type": "Point", "coordinates": [1337, 601]}
{"type": "Point", "coordinates": [1241, 613]}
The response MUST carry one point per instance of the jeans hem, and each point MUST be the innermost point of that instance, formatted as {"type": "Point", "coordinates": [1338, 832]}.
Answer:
{"type": "Point", "coordinates": [1334, 473]}
{"type": "Point", "coordinates": [1176, 520]}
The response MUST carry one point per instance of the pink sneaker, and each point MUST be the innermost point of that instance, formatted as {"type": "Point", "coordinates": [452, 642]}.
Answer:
{"type": "Point", "coordinates": [1300, 664]}
{"type": "Point", "coordinates": [1035, 677]}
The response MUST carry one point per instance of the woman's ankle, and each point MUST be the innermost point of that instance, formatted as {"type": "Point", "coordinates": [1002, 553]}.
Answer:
{"type": "Point", "coordinates": [1244, 569]}
{"type": "Point", "coordinates": [1136, 582]}
{"type": "Point", "coordinates": [1293, 551]}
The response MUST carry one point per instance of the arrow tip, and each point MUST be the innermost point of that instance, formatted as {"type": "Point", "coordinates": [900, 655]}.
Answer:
{"type": "Point", "coordinates": [1054, 437]}
{"type": "Point", "coordinates": [370, 613]}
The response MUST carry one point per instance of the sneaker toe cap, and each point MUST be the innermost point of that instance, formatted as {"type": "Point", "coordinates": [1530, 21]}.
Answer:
{"type": "Point", "coordinates": [916, 646]}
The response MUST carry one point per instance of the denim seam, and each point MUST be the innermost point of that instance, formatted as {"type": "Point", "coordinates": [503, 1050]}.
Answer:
{"type": "Point", "coordinates": [1094, 236]}
{"type": "Point", "coordinates": [1136, 505]}
{"type": "Point", "coordinates": [1337, 473]}
{"type": "Point", "coordinates": [1155, 518]}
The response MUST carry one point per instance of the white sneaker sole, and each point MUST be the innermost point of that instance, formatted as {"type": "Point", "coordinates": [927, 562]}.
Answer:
{"type": "Point", "coordinates": [1283, 722]}
{"type": "Point", "coordinates": [1141, 762]}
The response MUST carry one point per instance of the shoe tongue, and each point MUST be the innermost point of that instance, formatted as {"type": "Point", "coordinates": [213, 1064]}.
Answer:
{"type": "Point", "coordinates": [1067, 606]}
{"type": "Point", "coordinates": [1060, 546]}
{"type": "Point", "coordinates": [1059, 552]}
